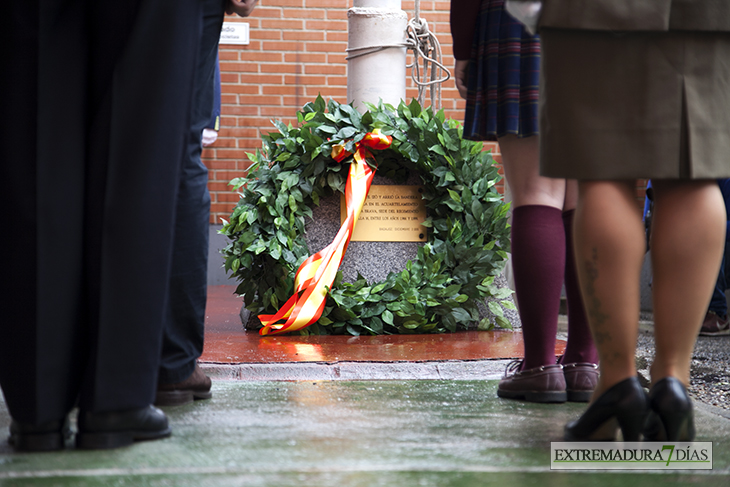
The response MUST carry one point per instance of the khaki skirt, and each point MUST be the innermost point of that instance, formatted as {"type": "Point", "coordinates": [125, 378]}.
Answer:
{"type": "Point", "coordinates": [635, 104]}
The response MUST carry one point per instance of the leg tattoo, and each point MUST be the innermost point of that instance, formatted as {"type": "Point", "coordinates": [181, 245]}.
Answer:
{"type": "Point", "coordinates": [593, 304]}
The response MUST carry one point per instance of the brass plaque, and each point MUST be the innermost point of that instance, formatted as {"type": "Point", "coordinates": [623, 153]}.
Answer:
{"type": "Point", "coordinates": [391, 214]}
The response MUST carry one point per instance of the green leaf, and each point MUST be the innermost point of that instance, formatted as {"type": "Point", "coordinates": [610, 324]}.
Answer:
{"type": "Point", "coordinates": [387, 317]}
{"type": "Point", "coordinates": [508, 304]}
{"type": "Point", "coordinates": [450, 291]}
{"type": "Point", "coordinates": [376, 325]}
{"type": "Point", "coordinates": [454, 195]}
{"type": "Point", "coordinates": [346, 133]}
{"type": "Point", "coordinates": [503, 322]}
{"type": "Point", "coordinates": [495, 308]}
{"type": "Point", "coordinates": [461, 315]}
{"type": "Point", "coordinates": [485, 325]}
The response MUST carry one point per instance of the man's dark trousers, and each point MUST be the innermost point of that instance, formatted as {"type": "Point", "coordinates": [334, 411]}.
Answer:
{"type": "Point", "coordinates": [95, 111]}
{"type": "Point", "coordinates": [185, 316]}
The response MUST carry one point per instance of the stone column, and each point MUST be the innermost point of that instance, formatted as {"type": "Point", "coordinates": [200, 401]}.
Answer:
{"type": "Point", "coordinates": [376, 66]}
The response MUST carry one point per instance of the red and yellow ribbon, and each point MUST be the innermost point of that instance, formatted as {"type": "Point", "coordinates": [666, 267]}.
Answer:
{"type": "Point", "coordinates": [318, 272]}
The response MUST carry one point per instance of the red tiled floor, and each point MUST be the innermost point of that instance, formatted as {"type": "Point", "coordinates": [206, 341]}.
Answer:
{"type": "Point", "coordinates": [226, 342]}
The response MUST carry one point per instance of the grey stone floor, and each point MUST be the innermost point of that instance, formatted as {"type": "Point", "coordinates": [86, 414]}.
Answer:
{"type": "Point", "coordinates": [351, 433]}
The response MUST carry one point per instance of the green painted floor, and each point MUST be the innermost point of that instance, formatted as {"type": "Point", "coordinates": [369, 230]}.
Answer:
{"type": "Point", "coordinates": [363, 433]}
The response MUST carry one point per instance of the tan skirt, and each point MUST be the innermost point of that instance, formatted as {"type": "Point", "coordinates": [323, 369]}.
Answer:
{"type": "Point", "coordinates": [635, 105]}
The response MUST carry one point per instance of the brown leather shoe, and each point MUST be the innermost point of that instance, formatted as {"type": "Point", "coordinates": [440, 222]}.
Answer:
{"type": "Point", "coordinates": [580, 380]}
{"type": "Point", "coordinates": [197, 386]}
{"type": "Point", "coordinates": [540, 384]}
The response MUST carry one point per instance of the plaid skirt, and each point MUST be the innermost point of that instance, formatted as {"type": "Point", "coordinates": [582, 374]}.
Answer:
{"type": "Point", "coordinates": [504, 75]}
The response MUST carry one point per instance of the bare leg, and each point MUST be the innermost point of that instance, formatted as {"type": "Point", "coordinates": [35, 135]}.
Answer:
{"type": "Point", "coordinates": [609, 247]}
{"type": "Point", "coordinates": [521, 161]}
{"type": "Point", "coordinates": [687, 243]}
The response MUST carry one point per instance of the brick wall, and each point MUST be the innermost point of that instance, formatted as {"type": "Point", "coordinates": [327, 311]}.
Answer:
{"type": "Point", "coordinates": [296, 51]}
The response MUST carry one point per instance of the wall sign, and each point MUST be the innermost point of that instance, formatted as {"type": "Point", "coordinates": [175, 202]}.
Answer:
{"type": "Point", "coordinates": [235, 33]}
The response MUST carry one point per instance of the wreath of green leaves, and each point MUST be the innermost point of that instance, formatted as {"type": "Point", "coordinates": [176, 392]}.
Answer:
{"type": "Point", "coordinates": [467, 220]}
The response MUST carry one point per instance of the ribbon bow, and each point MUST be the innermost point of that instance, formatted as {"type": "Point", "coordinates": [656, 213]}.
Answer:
{"type": "Point", "coordinates": [318, 272]}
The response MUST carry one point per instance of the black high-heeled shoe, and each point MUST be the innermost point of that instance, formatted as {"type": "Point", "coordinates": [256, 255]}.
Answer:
{"type": "Point", "coordinates": [624, 406]}
{"type": "Point", "coordinates": [671, 417]}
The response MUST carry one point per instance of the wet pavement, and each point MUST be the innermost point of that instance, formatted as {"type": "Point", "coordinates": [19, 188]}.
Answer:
{"type": "Point", "coordinates": [351, 431]}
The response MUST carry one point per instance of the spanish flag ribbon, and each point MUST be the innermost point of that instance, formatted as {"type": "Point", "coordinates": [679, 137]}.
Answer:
{"type": "Point", "coordinates": [318, 272]}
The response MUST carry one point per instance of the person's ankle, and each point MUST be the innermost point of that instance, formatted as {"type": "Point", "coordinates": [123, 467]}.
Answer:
{"type": "Point", "coordinates": [659, 372]}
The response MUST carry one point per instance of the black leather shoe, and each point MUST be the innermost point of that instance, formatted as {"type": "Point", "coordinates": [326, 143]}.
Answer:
{"type": "Point", "coordinates": [624, 406]}
{"type": "Point", "coordinates": [671, 417]}
{"type": "Point", "coordinates": [48, 436]}
{"type": "Point", "coordinates": [113, 429]}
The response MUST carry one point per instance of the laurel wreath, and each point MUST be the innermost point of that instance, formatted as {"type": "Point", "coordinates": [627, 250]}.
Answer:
{"type": "Point", "coordinates": [440, 290]}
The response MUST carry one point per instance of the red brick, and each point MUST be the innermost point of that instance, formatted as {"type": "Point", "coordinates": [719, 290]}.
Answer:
{"type": "Point", "coordinates": [304, 79]}
{"type": "Point", "coordinates": [222, 210]}
{"type": "Point", "coordinates": [338, 58]}
{"type": "Point", "coordinates": [339, 94]}
{"type": "Point", "coordinates": [218, 186]}
{"type": "Point", "coordinates": [336, 37]}
{"type": "Point", "coordinates": [237, 132]}
{"type": "Point", "coordinates": [282, 24]}
{"type": "Point", "coordinates": [327, 25]}
{"type": "Point", "coordinates": [305, 57]}
{"type": "Point", "coordinates": [222, 142]}
{"type": "Point", "coordinates": [340, 69]}
{"type": "Point", "coordinates": [289, 68]}
{"type": "Point", "coordinates": [280, 113]}
{"type": "Point", "coordinates": [306, 13]}
{"type": "Point", "coordinates": [226, 55]}
{"type": "Point", "coordinates": [263, 78]}
{"type": "Point", "coordinates": [220, 164]}
{"type": "Point", "coordinates": [267, 56]}
{"type": "Point", "coordinates": [268, 35]}
{"type": "Point", "coordinates": [257, 121]}
{"type": "Point", "coordinates": [326, 3]}
{"type": "Point", "coordinates": [326, 46]}
{"type": "Point", "coordinates": [336, 14]}
{"type": "Point", "coordinates": [227, 176]}
{"type": "Point", "coordinates": [437, 17]}
{"type": "Point", "coordinates": [226, 121]}
{"type": "Point", "coordinates": [239, 110]}
{"type": "Point", "coordinates": [229, 78]}
{"type": "Point", "coordinates": [283, 90]}
{"type": "Point", "coordinates": [285, 3]}
{"type": "Point", "coordinates": [245, 68]}
{"type": "Point", "coordinates": [304, 36]}
{"type": "Point", "coordinates": [230, 197]}
{"type": "Point", "coordinates": [253, 45]}
{"type": "Point", "coordinates": [231, 153]}
{"type": "Point", "coordinates": [281, 46]}
{"type": "Point", "coordinates": [267, 12]}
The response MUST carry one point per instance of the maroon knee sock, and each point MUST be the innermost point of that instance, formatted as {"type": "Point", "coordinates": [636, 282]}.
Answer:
{"type": "Point", "coordinates": [538, 261]}
{"type": "Point", "coordinates": [580, 346]}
